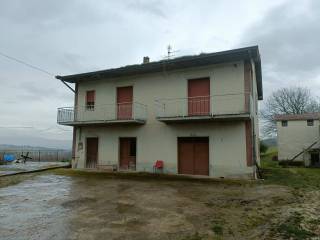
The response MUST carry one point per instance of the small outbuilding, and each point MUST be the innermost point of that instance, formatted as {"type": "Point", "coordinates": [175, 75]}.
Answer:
{"type": "Point", "coordinates": [298, 138]}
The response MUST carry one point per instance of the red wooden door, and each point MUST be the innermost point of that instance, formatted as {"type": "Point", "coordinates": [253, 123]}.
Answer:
{"type": "Point", "coordinates": [199, 96]}
{"type": "Point", "coordinates": [185, 156]}
{"type": "Point", "coordinates": [193, 156]}
{"type": "Point", "coordinates": [92, 152]}
{"type": "Point", "coordinates": [124, 102]}
{"type": "Point", "coordinates": [127, 153]}
{"type": "Point", "coordinates": [201, 156]}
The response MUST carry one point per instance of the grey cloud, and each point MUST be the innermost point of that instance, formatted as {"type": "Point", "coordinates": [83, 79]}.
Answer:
{"type": "Point", "coordinates": [58, 13]}
{"type": "Point", "coordinates": [66, 37]}
{"type": "Point", "coordinates": [288, 37]}
{"type": "Point", "coordinates": [154, 7]}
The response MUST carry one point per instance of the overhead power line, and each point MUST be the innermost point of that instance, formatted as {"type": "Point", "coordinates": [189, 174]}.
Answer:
{"type": "Point", "coordinates": [37, 129]}
{"type": "Point", "coordinates": [27, 64]}
{"type": "Point", "coordinates": [16, 127]}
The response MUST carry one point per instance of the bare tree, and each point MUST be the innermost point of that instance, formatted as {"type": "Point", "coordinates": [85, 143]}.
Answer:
{"type": "Point", "coordinates": [295, 100]}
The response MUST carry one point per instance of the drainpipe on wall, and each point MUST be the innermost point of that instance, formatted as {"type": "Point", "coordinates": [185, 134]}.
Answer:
{"type": "Point", "coordinates": [74, 131]}
{"type": "Point", "coordinates": [74, 142]}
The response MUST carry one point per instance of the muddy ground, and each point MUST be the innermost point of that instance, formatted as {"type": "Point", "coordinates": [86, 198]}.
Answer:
{"type": "Point", "coordinates": [62, 205]}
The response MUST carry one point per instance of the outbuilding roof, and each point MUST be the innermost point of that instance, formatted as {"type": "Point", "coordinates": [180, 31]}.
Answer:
{"type": "Point", "coordinates": [203, 59]}
{"type": "Point", "coordinates": [304, 116]}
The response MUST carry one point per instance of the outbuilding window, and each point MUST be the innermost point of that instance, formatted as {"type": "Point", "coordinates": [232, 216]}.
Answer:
{"type": "Point", "coordinates": [284, 123]}
{"type": "Point", "coordinates": [310, 122]}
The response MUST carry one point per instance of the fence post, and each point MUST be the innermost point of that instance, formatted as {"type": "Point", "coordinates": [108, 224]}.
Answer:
{"type": "Point", "coordinates": [57, 155]}
{"type": "Point", "coordinates": [39, 156]}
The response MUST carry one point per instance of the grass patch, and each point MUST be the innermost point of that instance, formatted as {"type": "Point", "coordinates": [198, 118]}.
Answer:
{"type": "Point", "coordinates": [217, 229]}
{"type": "Point", "coordinates": [11, 169]}
{"type": "Point", "coordinates": [292, 229]}
{"type": "Point", "coordinates": [217, 226]}
{"type": "Point", "coordinates": [6, 181]}
{"type": "Point", "coordinates": [295, 177]}
{"type": "Point", "coordinates": [315, 221]}
{"type": "Point", "coordinates": [195, 236]}
{"type": "Point", "coordinates": [146, 176]}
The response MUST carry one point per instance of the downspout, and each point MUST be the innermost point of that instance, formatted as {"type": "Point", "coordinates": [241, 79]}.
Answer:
{"type": "Point", "coordinates": [74, 142]}
{"type": "Point", "coordinates": [74, 130]}
{"type": "Point", "coordinates": [254, 145]}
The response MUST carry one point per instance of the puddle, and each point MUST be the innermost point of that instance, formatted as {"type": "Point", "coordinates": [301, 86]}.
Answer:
{"type": "Point", "coordinates": [31, 210]}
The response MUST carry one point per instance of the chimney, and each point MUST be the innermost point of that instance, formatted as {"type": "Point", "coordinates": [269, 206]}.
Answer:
{"type": "Point", "coordinates": [146, 60]}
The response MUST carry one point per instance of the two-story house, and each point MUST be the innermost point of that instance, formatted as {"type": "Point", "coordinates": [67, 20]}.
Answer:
{"type": "Point", "coordinates": [196, 114]}
{"type": "Point", "coordinates": [298, 138]}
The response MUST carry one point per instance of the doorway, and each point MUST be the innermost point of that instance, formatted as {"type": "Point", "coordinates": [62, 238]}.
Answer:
{"type": "Point", "coordinates": [315, 159]}
{"type": "Point", "coordinates": [92, 152]}
{"type": "Point", "coordinates": [193, 155]}
{"type": "Point", "coordinates": [124, 103]}
{"type": "Point", "coordinates": [199, 97]}
{"type": "Point", "coordinates": [127, 153]}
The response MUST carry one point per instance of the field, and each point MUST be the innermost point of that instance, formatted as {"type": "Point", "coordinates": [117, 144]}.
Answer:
{"type": "Point", "coordinates": [68, 204]}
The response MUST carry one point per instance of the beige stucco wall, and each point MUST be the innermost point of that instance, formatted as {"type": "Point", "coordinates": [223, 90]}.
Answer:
{"type": "Point", "coordinates": [157, 140]}
{"type": "Point", "coordinates": [227, 153]}
{"type": "Point", "coordinates": [295, 137]}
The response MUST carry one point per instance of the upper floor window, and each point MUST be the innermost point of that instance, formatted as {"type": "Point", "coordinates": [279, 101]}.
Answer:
{"type": "Point", "coordinates": [90, 100]}
{"type": "Point", "coordinates": [310, 122]}
{"type": "Point", "coordinates": [284, 123]}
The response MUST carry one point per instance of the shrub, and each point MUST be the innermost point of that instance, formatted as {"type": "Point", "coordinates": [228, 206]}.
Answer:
{"type": "Point", "coordinates": [263, 147]}
{"type": "Point", "coordinates": [291, 163]}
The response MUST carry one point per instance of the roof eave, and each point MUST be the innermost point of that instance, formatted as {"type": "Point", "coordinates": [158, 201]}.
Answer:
{"type": "Point", "coordinates": [177, 64]}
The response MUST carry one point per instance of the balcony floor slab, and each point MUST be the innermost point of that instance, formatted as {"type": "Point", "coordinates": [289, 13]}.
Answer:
{"type": "Point", "coordinates": [101, 123]}
{"type": "Point", "coordinates": [222, 117]}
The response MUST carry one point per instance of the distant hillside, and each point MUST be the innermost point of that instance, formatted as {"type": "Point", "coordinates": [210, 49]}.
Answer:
{"type": "Point", "coordinates": [24, 147]}
{"type": "Point", "coordinates": [270, 142]}
{"type": "Point", "coordinates": [34, 142]}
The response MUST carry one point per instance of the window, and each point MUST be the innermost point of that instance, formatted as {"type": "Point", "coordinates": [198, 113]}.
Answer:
{"type": "Point", "coordinates": [310, 122]}
{"type": "Point", "coordinates": [284, 123]}
{"type": "Point", "coordinates": [133, 147]}
{"type": "Point", "coordinates": [90, 99]}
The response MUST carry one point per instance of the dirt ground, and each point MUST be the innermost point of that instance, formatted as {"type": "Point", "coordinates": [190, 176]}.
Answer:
{"type": "Point", "coordinates": [63, 205]}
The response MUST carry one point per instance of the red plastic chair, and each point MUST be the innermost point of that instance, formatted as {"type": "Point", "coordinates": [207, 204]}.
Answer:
{"type": "Point", "coordinates": [158, 166]}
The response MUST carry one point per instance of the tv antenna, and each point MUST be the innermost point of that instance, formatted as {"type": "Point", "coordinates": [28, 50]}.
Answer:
{"type": "Point", "coordinates": [170, 52]}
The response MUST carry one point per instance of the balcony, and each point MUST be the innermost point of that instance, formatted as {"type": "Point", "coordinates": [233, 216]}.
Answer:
{"type": "Point", "coordinates": [235, 106]}
{"type": "Point", "coordinates": [124, 113]}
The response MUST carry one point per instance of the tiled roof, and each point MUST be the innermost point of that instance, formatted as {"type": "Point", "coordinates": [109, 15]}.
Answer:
{"type": "Point", "coordinates": [304, 116]}
{"type": "Point", "coordinates": [204, 59]}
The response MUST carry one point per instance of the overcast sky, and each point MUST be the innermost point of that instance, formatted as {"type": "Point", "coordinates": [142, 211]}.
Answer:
{"type": "Point", "coordinates": [66, 37]}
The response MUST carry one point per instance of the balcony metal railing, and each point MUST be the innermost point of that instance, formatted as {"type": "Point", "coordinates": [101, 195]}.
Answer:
{"type": "Point", "coordinates": [214, 105]}
{"type": "Point", "coordinates": [103, 113]}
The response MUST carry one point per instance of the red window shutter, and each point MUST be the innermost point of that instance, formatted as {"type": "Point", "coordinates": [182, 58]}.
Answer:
{"type": "Point", "coordinates": [91, 96]}
{"type": "Point", "coordinates": [124, 102]}
{"type": "Point", "coordinates": [199, 96]}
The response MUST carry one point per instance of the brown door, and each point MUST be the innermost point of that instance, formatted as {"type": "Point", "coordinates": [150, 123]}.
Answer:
{"type": "Point", "coordinates": [193, 156]}
{"type": "Point", "coordinates": [128, 148]}
{"type": "Point", "coordinates": [92, 153]}
{"type": "Point", "coordinates": [124, 102]}
{"type": "Point", "coordinates": [199, 96]}
{"type": "Point", "coordinates": [185, 155]}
